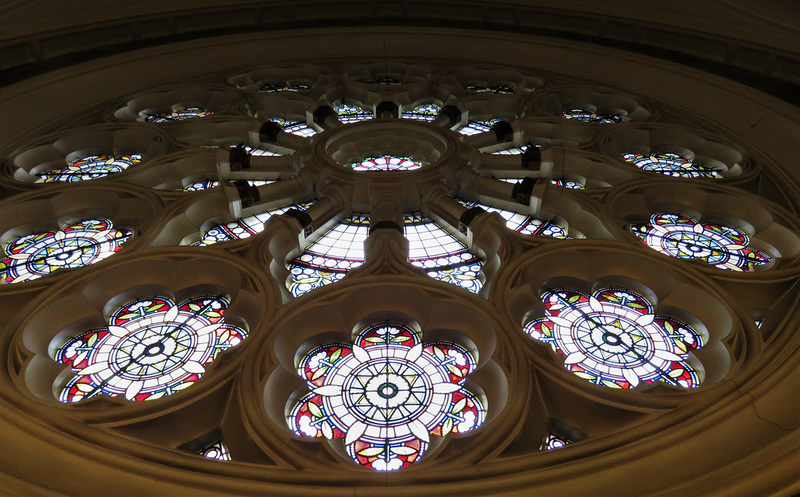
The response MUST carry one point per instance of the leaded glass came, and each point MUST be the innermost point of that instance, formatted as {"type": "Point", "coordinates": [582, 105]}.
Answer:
{"type": "Point", "coordinates": [671, 164]}
{"type": "Point", "coordinates": [89, 167]}
{"type": "Point", "coordinates": [613, 338]}
{"type": "Point", "coordinates": [151, 348]}
{"type": "Point", "coordinates": [386, 395]}
{"type": "Point", "coordinates": [80, 243]}
{"type": "Point", "coordinates": [718, 245]}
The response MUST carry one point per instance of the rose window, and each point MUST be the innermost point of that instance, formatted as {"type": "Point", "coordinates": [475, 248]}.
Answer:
{"type": "Point", "coordinates": [614, 338]}
{"type": "Point", "coordinates": [386, 163]}
{"type": "Point", "coordinates": [386, 395]}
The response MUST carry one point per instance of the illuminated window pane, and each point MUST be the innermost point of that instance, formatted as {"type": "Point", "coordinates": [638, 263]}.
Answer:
{"type": "Point", "coordinates": [151, 348]}
{"type": "Point", "coordinates": [386, 395]}
{"type": "Point", "coordinates": [177, 115]}
{"type": "Point", "coordinates": [244, 227]}
{"type": "Point", "coordinates": [591, 117]}
{"type": "Point", "coordinates": [385, 163]}
{"type": "Point", "coordinates": [553, 441]}
{"type": "Point", "coordinates": [267, 88]}
{"type": "Point", "coordinates": [671, 164]}
{"type": "Point", "coordinates": [426, 112]}
{"type": "Point", "coordinates": [440, 253]}
{"type": "Point", "coordinates": [295, 127]}
{"type": "Point", "coordinates": [81, 243]}
{"type": "Point", "coordinates": [476, 127]}
{"type": "Point", "coordinates": [352, 114]}
{"type": "Point", "coordinates": [217, 451]}
{"type": "Point", "coordinates": [565, 183]}
{"type": "Point", "coordinates": [526, 225]}
{"type": "Point", "coordinates": [721, 246]}
{"type": "Point", "coordinates": [512, 150]}
{"type": "Point", "coordinates": [496, 89]}
{"type": "Point", "coordinates": [89, 167]}
{"type": "Point", "coordinates": [207, 184]}
{"type": "Point", "coordinates": [614, 339]}
{"type": "Point", "coordinates": [329, 258]}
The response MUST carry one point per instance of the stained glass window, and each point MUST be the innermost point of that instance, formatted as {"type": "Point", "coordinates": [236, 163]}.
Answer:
{"type": "Point", "coordinates": [217, 451]}
{"type": "Point", "coordinates": [719, 245]}
{"type": "Point", "coordinates": [591, 117]}
{"type": "Point", "coordinates": [177, 115]}
{"type": "Point", "coordinates": [496, 89]}
{"type": "Point", "coordinates": [512, 150]}
{"type": "Point", "coordinates": [476, 127]}
{"type": "Point", "coordinates": [207, 184]}
{"type": "Point", "coordinates": [268, 88]}
{"type": "Point", "coordinates": [425, 112]}
{"type": "Point", "coordinates": [329, 258]}
{"type": "Point", "coordinates": [671, 164]}
{"type": "Point", "coordinates": [89, 167]}
{"type": "Point", "coordinates": [386, 395]}
{"type": "Point", "coordinates": [151, 348]}
{"type": "Point", "coordinates": [566, 183]}
{"type": "Point", "coordinates": [385, 163]}
{"type": "Point", "coordinates": [295, 127]}
{"type": "Point", "coordinates": [385, 81]}
{"type": "Point", "coordinates": [522, 223]}
{"type": "Point", "coordinates": [352, 113]}
{"type": "Point", "coordinates": [553, 441]}
{"type": "Point", "coordinates": [614, 338]}
{"type": "Point", "coordinates": [440, 253]}
{"type": "Point", "coordinates": [75, 244]}
{"type": "Point", "coordinates": [244, 227]}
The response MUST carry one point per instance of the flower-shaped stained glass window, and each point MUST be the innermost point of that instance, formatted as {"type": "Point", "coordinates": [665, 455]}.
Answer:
{"type": "Point", "coordinates": [352, 113]}
{"type": "Point", "coordinates": [217, 451]}
{"type": "Point", "coordinates": [721, 246]}
{"type": "Point", "coordinates": [440, 253]}
{"type": "Point", "coordinates": [177, 115]}
{"type": "Point", "coordinates": [76, 244]}
{"type": "Point", "coordinates": [527, 225]}
{"type": "Point", "coordinates": [613, 338]}
{"type": "Point", "coordinates": [267, 88]}
{"type": "Point", "coordinates": [496, 89]}
{"type": "Point", "coordinates": [244, 227]}
{"type": "Point", "coordinates": [386, 163]}
{"type": "Point", "coordinates": [476, 127]}
{"type": "Point", "coordinates": [151, 348]}
{"type": "Point", "coordinates": [386, 395]}
{"type": "Point", "coordinates": [89, 167]}
{"type": "Point", "coordinates": [671, 164]}
{"type": "Point", "coordinates": [553, 441]}
{"type": "Point", "coordinates": [329, 258]}
{"type": "Point", "coordinates": [591, 117]}
{"type": "Point", "coordinates": [294, 127]}
{"type": "Point", "coordinates": [425, 112]}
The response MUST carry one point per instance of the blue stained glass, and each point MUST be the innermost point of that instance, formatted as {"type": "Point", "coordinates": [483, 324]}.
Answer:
{"type": "Point", "coordinates": [425, 112]}
{"type": "Point", "coordinates": [671, 164]}
{"type": "Point", "coordinates": [295, 127]}
{"type": "Point", "coordinates": [352, 114]}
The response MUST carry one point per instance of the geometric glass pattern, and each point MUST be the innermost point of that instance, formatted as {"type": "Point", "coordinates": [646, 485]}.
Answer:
{"type": "Point", "coordinates": [386, 394]}
{"type": "Point", "coordinates": [328, 259]}
{"type": "Point", "coordinates": [385, 163]}
{"type": "Point", "coordinates": [89, 167]}
{"type": "Point", "coordinates": [719, 245]}
{"type": "Point", "coordinates": [76, 244]}
{"type": "Point", "coordinates": [476, 127]}
{"type": "Point", "coordinates": [177, 115]}
{"type": "Point", "coordinates": [440, 253]}
{"type": "Point", "coordinates": [613, 338]}
{"type": "Point", "coordinates": [671, 164]}
{"type": "Point", "coordinates": [151, 348]}
{"type": "Point", "coordinates": [217, 451]}
{"type": "Point", "coordinates": [522, 223]}
{"type": "Point", "coordinates": [352, 113]}
{"type": "Point", "coordinates": [496, 89]}
{"type": "Point", "coordinates": [244, 227]}
{"type": "Point", "coordinates": [553, 441]}
{"type": "Point", "coordinates": [267, 88]}
{"type": "Point", "coordinates": [294, 127]}
{"type": "Point", "coordinates": [591, 117]}
{"type": "Point", "coordinates": [425, 112]}
{"type": "Point", "coordinates": [565, 183]}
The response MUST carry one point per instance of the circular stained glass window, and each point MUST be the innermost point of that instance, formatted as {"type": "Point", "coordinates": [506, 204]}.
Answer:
{"type": "Point", "coordinates": [385, 163]}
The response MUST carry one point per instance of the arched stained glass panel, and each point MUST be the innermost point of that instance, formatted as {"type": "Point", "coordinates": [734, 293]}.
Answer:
{"type": "Point", "coordinates": [217, 451]}
{"type": "Point", "coordinates": [522, 223]}
{"type": "Point", "coordinates": [329, 258]}
{"type": "Point", "coordinates": [386, 163]}
{"type": "Point", "coordinates": [671, 164]}
{"type": "Point", "coordinates": [151, 348]}
{"type": "Point", "coordinates": [244, 227]}
{"type": "Point", "coordinates": [425, 112]}
{"type": "Point", "coordinates": [591, 117]}
{"type": "Point", "coordinates": [352, 113]}
{"type": "Point", "coordinates": [89, 167]}
{"type": "Point", "coordinates": [386, 395]}
{"type": "Point", "coordinates": [477, 127]}
{"type": "Point", "coordinates": [295, 127]}
{"type": "Point", "coordinates": [614, 338]}
{"type": "Point", "coordinates": [719, 245]}
{"type": "Point", "coordinates": [440, 253]}
{"type": "Point", "coordinates": [177, 115]}
{"type": "Point", "coordinates": [81, 243]}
